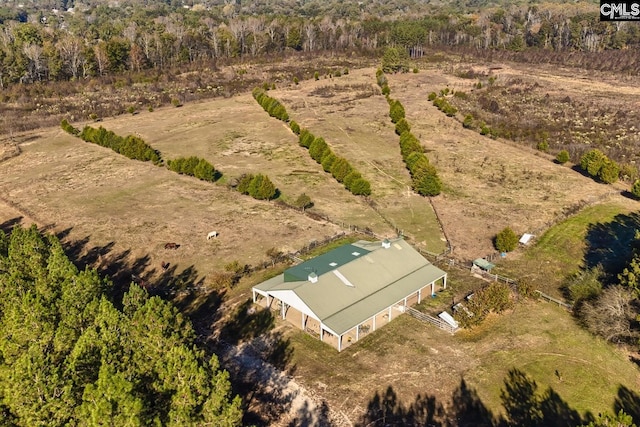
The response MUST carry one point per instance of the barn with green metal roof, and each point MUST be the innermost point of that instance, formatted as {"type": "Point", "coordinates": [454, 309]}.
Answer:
{"type": "Point", "coordinates": [346, 293]}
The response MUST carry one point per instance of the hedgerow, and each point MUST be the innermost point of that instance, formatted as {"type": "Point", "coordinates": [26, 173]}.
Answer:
{"type": "Point", "coordinates": [130, 146]}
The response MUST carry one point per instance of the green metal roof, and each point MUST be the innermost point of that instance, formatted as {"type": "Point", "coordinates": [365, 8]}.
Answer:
{"type": "Point", "coordinates": [324, 263]}
{"type": "Point", "coordinates": [348, 294]}
{"type": "Point", "coordinates": [483, 263]}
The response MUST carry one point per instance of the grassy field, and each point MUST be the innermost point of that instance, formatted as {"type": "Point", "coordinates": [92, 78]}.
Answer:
{"type": "Point", "coordinates": [120, 213]}
{"type": "Point", "coordinates": [574, 244]}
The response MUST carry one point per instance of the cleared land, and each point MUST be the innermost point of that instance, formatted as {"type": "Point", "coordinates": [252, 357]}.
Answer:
{"type": "Point", "coordinates": [125, 211]}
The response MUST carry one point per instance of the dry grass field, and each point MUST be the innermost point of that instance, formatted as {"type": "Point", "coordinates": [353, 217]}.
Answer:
{"type": "Point", "coordinates": [128, 210]}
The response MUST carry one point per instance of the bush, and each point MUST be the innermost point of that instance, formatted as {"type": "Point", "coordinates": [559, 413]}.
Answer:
{"type": "Point", "coordinates": [468, 121]}
{"type": "Point", "coordinates": [402, 126]}
{"type": "Point", "coordinates": [295, 80]}
{"type": "Point", "coordinates": [592, 161]}
{"type": "Point", "coordinates": [306, 138]}
{"type": "Point", "coordinates": [494, 298]}
{"type": "Point", "coordinates": [327, 161]}
{"type": "Point", "coordinates": [396, 111]}
{"type": "Point", "coordinates": [628, 172]}
{"type": "Point", "coordinates": [243, 183]}
{"type": "Point", "coordinates": [543, 146]}
{"type": "Point", "coordinates": [563, 157]}
{"type": "Point", "coordinates": [609, 172]}
{"type": "Point", "coordinates": [360, 187]}
{"type": "Point", "coordinates": [316, 75]}
{"type": "Point", "coordinates": [428, 184]}
{"type": "Point", "coordinates": [350, 178]}
{"type": "Point", "coordinates": [340, 169]}
{"type": "Point", "coordinates": [67, 127]}
{"type": "Point", "coordinates": [317, 149]}
{"type": "Point", "coordinates": [295, 127]}
{"type": "Point", "coordinates": [584, 285]}
{"type": "Point", "coordinates": [262, 188]}
{"type": "Point", "coordinates": [635, 189]}
{"type": "Point", "coordinates": [409, 144]}
{"type": "Point", "coordinates": [132, 147]}
{"type": "Point", "coordinates": [303, 202]}
{"type": "Point", "coordinates": [506, 240]}
{"type": "Point", "coordinates": [432, 96]}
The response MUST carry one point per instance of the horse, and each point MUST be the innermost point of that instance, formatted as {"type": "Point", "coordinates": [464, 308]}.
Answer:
{"type": "Point", "coordinates": [212, 234]}
{"type": "Point", "coordinates": [171, 245]}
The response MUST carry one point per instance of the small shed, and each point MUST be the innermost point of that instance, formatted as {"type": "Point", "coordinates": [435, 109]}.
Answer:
{"type": "Point", "coordinates": [483, 264]}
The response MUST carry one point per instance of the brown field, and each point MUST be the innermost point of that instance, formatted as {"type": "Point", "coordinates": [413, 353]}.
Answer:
{"type": "Point", "coordinates": [129, 210]}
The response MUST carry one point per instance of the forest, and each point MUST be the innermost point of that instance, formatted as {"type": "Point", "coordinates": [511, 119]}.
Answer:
{"type": "Point", "coordinates": [74, 352]}
{"type": "Point", "coordinates": [63, 41]}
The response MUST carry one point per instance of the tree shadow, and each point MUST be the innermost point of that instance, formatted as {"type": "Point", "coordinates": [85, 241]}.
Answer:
{"type": "Point", "coordinates": [612, 244]}
{"type": "Point", "coordinates": [8, 225]}
{"type": "Point", "coordinates": [384, 409]}
{"type": "Point", "coordinates": [266, 389]}
{"type": "Point", "coordinates": [525, 406]}
{"type": "Point", "coordinates": [467, 409]}
{"type": "Point", "coordinates": [247, 323]}
{"type": "Point", "coordinates": [629, 402]}
{"type": "Point", "coordinates": [307, 417]}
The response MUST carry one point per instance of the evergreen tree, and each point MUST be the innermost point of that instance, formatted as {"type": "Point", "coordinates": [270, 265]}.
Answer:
{"type": "Point", "coordinates": [506, 240]}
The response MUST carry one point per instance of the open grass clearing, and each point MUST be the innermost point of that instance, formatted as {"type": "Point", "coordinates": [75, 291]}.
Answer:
{"type": "Point", "coordinates": [540, 338]}
{"type": "Point", "coordinates": [561, 250]}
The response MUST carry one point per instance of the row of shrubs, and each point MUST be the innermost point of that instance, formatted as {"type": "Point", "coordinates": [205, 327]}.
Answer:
{"type": "Point", "coordinates": [424, 177]}
{"type": "Point", "coordinates": [442, 103]}
{"type": "Point", "coordinates": [382, 81]}
{"type": "Point", "coordinates": [599, 166]}
{"type": "Point", "coordinates": [319, 150]}
{"type": "Point", "coordinates": [194, 166]}
{"type": "Point", "coordinates": [130, 146]}
{"type": "Point", "coordinates": [270, 105]}
{"type": "Point", "coordinates": [338, 167]}
{"type": "Point", "coordinates": [257, 186]}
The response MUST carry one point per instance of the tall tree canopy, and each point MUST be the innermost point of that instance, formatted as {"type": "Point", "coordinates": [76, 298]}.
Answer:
{"type": "Point", "coordinates": [68, 355]}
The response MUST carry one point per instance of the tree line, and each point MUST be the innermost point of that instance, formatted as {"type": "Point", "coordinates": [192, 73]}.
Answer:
{"type": "Point", "coordinates": [95, 40]}
{"type": "Point", "coordinates": [71, 355]}
{"type": "Point", "coordinates": [319, 150]}
{"type": "Point", "coordinates": [424, 176]}
{"type": "Point", "coordinates": [259, 186]}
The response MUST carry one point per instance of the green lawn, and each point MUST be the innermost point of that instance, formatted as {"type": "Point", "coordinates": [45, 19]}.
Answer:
{"type": "Point", "coordinates": [561, 250]}
{"type": "Point", "coordinates": [540, 339]}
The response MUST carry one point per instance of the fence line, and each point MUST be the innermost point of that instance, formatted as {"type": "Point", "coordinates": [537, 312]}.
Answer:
{"type": "Point", "coordinates": [555, 300]}
{"type": "Point", "coordinates": [430, 319]}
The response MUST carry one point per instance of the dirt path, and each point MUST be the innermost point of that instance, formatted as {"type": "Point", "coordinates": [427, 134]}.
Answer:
{"type": "Point", "coordinates": [301, 406]}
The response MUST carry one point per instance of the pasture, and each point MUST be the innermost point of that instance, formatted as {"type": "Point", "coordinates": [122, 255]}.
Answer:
{"type": "Point", "coordinates": [114, 210]}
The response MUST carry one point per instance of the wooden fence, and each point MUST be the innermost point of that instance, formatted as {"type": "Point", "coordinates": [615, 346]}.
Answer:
{"type": "Point", "coordinates": [554, 300]}
{"type": "Point", "coordinates": [430, 319]}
